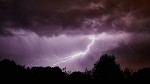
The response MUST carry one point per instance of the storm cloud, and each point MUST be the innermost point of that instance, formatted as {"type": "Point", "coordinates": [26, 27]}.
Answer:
{"type": "Point", "coordinates": [43, 29]}
{"type": "Point", "coordinates": [54, 17]}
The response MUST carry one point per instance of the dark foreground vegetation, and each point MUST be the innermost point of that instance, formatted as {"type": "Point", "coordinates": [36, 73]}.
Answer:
{"type": "Point", "coordinates": [105, 70]}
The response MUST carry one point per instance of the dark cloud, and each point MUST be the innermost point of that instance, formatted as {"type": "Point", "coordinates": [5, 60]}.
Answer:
{"type": "Point", "coordinates": [135, 53]}
{"type": "Point", "coordinates": [48, 17]}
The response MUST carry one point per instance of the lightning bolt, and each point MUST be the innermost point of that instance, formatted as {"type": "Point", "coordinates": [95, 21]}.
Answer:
{"type": "Point", "coordinates": [68, 58]}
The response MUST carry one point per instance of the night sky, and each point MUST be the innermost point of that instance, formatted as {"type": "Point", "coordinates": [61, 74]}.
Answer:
{"type": "Point", "coordinates": [75, 33]}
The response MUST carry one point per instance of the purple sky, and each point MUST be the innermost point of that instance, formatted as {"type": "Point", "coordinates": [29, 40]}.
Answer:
{"type": "Point", "coordinates": [43, 33]}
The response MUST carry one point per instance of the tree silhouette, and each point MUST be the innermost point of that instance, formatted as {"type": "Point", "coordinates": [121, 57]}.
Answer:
{"type": "Point", "coordinates": [142, 76]}
{"type": "Point", "coordinates": [127, 75]}
{"type": "Point", "coordinates": [107, 70]}
{"type": "Point", "coordinates": [79, 77]}
{"type": "Point", "coordinates": [10, 72]}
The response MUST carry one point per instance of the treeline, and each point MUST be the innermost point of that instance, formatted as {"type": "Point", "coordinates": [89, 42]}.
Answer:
{"type": "Point", "coordinates": [105, 70]}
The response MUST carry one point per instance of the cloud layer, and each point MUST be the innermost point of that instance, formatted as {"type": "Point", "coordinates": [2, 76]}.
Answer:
{"type": "Point", "coordinates": [52, 17]}
{"type": "Point", "coordinates": [34, 28]}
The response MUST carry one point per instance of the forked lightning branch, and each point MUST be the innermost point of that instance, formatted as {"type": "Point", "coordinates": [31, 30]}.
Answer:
{"type": "Point", "coordinates": [82, 53]}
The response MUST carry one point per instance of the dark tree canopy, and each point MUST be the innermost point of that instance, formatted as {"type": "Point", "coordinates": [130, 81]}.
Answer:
{"type": "Point", "coordinates": [105, 70]}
